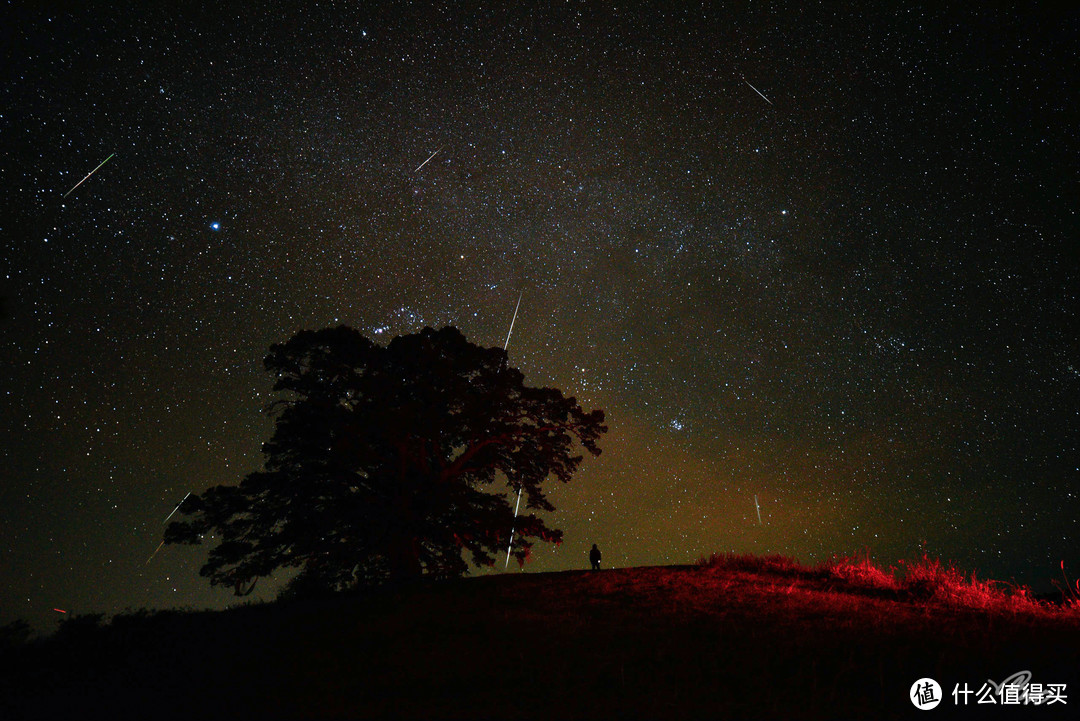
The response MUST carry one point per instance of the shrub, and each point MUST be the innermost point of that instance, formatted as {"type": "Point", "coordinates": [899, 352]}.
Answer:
{"type": "Point", "coordinates": [81, 627]}
{"type": "Point", "coordinates": [929, 579]}
{"type": "Point", "coordinates": [861, 573]}
{"type": "Point", "coordinates": [14, 634]}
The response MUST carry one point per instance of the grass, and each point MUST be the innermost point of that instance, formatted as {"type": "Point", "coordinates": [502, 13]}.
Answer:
{"type": "Point", "coordinates": [927, 580]}
{"type": "Point", "coordinates": [740, 637]}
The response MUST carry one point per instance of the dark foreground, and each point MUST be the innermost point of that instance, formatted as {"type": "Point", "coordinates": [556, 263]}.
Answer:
{"type": "Point", "coordinates": [653, 643]}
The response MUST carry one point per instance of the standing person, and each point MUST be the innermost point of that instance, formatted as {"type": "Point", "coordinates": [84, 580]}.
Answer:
{"type": "Point", "coordinates": [594, 557]}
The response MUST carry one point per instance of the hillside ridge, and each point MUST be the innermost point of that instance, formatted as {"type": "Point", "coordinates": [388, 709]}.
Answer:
{"type": "Point", "coordinates": [698, 641]}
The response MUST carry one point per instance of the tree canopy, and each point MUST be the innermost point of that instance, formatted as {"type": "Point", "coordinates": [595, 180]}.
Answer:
{"type": "Point", "coordinates": [389, 462]}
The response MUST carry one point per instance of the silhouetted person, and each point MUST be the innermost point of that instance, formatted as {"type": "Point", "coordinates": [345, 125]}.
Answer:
{"type": "Point", "coordinates": [594, 557]}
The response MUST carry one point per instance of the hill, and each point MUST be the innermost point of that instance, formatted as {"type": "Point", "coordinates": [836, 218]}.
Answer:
{"type": "Point", "coordinates": [737, 637]}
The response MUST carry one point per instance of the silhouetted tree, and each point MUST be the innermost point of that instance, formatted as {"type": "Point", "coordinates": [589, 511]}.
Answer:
{"type": "Point", "coordinates": [14, 635]}
{"type": "Point", "coordinates": [390, 462]}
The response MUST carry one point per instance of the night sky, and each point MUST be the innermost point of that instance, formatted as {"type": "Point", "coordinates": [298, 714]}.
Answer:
{"type": "Point", "coordinates": [826, 257]}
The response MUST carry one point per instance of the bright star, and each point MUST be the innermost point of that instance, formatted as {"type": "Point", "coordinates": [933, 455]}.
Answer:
{"type": "Point", "coordinates": [215, 226]}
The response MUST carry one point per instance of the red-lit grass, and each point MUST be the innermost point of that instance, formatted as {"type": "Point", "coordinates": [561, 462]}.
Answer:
{"type": "Point", "coordinates": [927, 580]}
{"type": "Point", "coordinates": [1070, 591]}
{"type": "Point", "coordinates": [860, 573]}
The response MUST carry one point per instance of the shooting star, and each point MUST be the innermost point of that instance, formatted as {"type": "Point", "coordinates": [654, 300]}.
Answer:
{"type": "Point", "coordinates": [512, 321]}
{"type": "Point", "coordinates": [757, 91]}
{"type": "Point", "coordinates": [428, 160]}
{"type": "Point", "coordinates": [154, 553]}
{"type": "Point", "coordinates": [88, 175]}
{"type": "Point", "coordinates": [166, 521]}
{"type": "Point", "coordinates": [512, 529]}
{"type": "Point", "coordinates": [177, 507]}
{"type": "Point", "coordinates": [518, 504]}
{"type": "Point", "coordinates": [758, 510]}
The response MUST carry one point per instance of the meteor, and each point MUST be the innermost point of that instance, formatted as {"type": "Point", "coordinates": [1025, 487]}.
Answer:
{"type": "Point", "coordinates": [177, 507]}
{"type": "Point", "coordinates": [518, 504]}
{"type": "Point", "coordinates": [757, 91]}
{"type": "Point", "coordinates": [88, 175]}
{"type": "Point", "coordinates": [154, 553]}
{"type": "Point", "coordinates": [166, 521]}
{"type": "Point", "coordinates": [512, 529]}
{"type": "Point", "coordinates": [513, 320]}
{"type": "Point", "coordinates": [426, 161]}
{"type": "Point", "coordinates": [758, 510]}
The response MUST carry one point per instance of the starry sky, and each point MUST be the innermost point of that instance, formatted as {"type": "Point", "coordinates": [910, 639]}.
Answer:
{"type": "Point", "coordinates": [822, 256]}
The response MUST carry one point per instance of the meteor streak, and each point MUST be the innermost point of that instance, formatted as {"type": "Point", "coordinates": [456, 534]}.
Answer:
{"type": "Point", "coordinates": [166, 521]}
{"type": "Point", "coordinates": [512, 529]}
{"type": "Point", "coordinates": [177, 507]}
{"type": "Point", "coordinates": [426, 161]}
{"type": "Point", "coordinates": [518, 504]}
{"type": "Point", "coordinates": [757, 91]}
{"type": "Point", "coordinates": [758, 510]}
{"type": "Point", "coordinates": [154, 553]}
{"type": "Point", "coordinates": [512, 321]}
{"type": "Point", "coordinates": [88, 175]}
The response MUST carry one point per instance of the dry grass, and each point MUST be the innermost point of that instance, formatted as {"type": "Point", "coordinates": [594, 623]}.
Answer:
{"type": "Point", "coordinates": [861, 573]}
{"type": "Point", "coordinates": [926, 580]}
